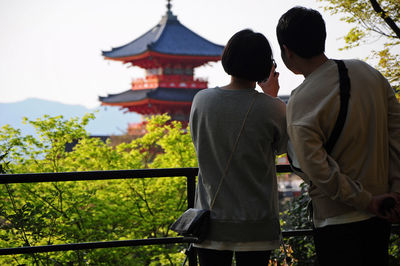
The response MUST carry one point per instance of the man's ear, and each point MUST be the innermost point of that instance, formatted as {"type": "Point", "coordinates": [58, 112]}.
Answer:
{"type": "Point", "coordinates": [287, 51]}
{"type": "Point", "coordinates": [291, 60]}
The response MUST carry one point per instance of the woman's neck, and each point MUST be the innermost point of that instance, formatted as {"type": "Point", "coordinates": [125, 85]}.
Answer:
{"type": "Point", "coordinates": [240, 84]}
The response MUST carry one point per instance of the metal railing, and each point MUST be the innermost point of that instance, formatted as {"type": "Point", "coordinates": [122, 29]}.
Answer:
{"type": "Point", "coordinates": [189, 173]}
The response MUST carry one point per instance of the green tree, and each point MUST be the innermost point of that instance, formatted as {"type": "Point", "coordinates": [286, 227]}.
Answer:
{"type": "Point", "coordinates": [72, 212]}
{"type": "Point", "coordinates": [296, 217]}
{"type": "Point", "coordinates": [373, 20]}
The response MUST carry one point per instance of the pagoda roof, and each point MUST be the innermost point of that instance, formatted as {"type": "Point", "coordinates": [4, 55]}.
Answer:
{"type": "Point", "coordinates": [162, 94]}
{"type": "Point", "coordinates": [168, 37]}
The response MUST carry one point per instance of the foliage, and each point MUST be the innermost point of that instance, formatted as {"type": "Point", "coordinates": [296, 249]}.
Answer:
{"type": "Point", "coordinates": [370, 26]}
{"type": "Point", "coordinates": [84, 211]}
{"type": "Point", "coordinates": [296, 216]}
{"type": "Point", "coordinates": [3, 164]}
{"type": "Point", "coordinates": [33, 214]}
{"type": "Point", "coordinates": [394, 249]}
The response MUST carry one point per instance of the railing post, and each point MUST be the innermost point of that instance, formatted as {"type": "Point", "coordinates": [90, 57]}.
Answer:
{"type": "Point", "coordinates": [192, 256]}
{"type": "Point", "coordinates": [191, 190]}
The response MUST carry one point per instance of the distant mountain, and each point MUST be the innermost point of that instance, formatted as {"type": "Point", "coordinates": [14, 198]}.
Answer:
{"type": "Point", "coordinates": [108, 121]}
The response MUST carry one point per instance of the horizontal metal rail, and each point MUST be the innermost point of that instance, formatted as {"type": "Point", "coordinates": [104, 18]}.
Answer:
{"type": "Point", "coordinates": [96, 175]}
{"type": "Point", "coordinates": [136, 242]}
{"type": "Point", "coordinates": [95, 245]}
{"type": "Point", "coordinates": [103, 175]}
{"type": "Point", "coordinates": [121, 243]}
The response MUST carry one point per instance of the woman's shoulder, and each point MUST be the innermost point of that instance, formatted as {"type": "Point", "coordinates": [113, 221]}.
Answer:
{"type": "Point", "coordinates": [203, 95]}
{"type": "Point", "coordinates": [206, 92]}
{"type": "Point", "coordinates": [268, 101]}
{"type": "Point", "coordinates": [270, 108]}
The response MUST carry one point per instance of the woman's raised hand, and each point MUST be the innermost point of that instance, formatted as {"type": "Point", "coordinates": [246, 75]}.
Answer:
{"type": "Point", "coordinates": [271, 85]}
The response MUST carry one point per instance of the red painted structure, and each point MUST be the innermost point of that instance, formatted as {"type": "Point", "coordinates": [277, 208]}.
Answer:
{"type": "Point", "coordinates": [168, 52]}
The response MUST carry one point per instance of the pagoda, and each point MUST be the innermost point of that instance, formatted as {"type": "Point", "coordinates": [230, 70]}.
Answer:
{"type": "Point", "coordinates": [168, 52]}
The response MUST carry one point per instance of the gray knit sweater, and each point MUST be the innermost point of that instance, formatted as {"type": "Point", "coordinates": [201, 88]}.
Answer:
{"type": "Point", "coordinates": [246, 208]}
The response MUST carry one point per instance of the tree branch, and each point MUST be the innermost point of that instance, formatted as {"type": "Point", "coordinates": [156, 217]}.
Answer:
{"type": "Point", "coordinates": [389, 21]}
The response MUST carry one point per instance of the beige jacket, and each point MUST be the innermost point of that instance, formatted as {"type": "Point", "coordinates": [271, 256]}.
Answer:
{"type": "Point", "coordinates": [366, 158]}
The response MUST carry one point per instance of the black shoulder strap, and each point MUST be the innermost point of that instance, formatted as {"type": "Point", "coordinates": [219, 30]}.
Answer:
{"type": "Point", "coordinates": [344, 103]}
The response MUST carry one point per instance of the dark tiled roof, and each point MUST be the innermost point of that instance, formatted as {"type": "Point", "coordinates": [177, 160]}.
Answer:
{"type": "Point", "coordinates": [126, 96]}
{"type": "Point", "coordinates": [70, 145]}
{"type": "Point", "coordinates": [169, 36]}
{"type": "Point", "coordinates": [164, 94]}
{"type": "Point", "coordinates": [173, 95]}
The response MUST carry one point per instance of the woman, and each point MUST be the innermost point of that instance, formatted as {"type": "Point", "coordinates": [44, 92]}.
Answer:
{"type": "Point", "coordinates": [236, 123]}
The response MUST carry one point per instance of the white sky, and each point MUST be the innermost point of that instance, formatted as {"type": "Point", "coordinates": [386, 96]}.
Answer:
{"type": "Point", "coordinates": [51, 49]}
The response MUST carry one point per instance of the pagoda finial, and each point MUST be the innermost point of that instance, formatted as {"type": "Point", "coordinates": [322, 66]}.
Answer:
{"type": "Point", "coordinates": [169, 7]}
{"type": "Point", "coordinates": [169, 15]}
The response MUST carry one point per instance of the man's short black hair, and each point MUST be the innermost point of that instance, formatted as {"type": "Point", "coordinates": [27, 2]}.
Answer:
{"type": "Point", "coordinates": [303, 31]}
{"type": "Point", "coordinates": [247, 55]}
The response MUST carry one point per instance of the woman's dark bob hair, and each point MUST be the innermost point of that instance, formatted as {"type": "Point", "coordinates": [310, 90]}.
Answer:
{"type": "Point", "coordinates": [247, 55]}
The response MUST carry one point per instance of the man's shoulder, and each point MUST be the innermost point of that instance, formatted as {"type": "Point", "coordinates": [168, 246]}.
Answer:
{"type": "Point", "coordinates": [304, 93]}
{"type": "Point", "coordinates": [351, 62]}
{"type": "Point", "coordinates": [358, 64]}
{"type": "Point", "coordinates": [312, 99]}
{"type": "Point", "coordinates": [363, 71]}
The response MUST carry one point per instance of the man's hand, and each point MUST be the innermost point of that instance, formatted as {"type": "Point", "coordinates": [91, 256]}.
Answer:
{"type": "Point", "coordinates": [392, 213]}
{"type": "Point", "coordinates": [271, 85]}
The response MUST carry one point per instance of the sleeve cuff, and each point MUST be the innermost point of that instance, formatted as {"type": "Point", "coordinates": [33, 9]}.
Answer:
{"type": "Point", "coordinates": [395, 187]}
{"type": "Point", "coordinates": [363, 200]}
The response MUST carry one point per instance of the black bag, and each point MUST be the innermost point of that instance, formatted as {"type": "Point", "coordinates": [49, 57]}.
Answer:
{"type": "Point", "coordinates": [192, 223]}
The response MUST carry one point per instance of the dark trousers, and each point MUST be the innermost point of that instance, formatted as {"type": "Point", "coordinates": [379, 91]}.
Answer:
{"type": "Point", "coordinates": [360, 243]}
{"type": "Point", "coordinates": [211, 257]}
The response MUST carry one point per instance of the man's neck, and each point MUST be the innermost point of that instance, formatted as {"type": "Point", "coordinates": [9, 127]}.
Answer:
{"type": "Point", "coordinates": [309, 65]}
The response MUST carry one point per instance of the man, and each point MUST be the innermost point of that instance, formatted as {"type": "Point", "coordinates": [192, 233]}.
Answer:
{"type": "Point", "coordinates": [349, 184]}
